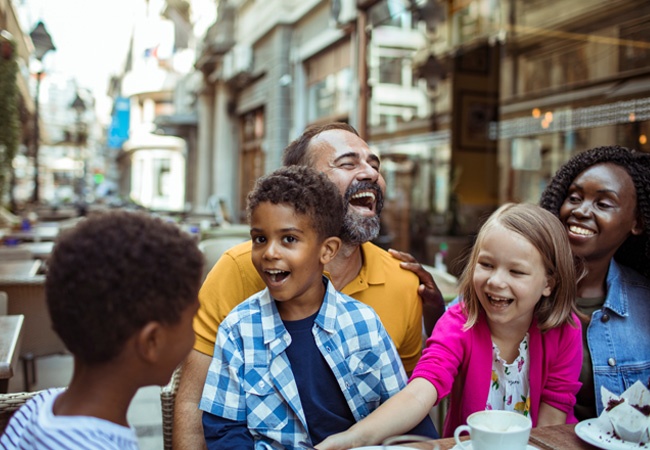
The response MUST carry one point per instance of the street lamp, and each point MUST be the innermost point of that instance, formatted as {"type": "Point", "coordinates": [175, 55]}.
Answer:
{"type": "Point", "coordinates": [80, 138]}
{"type": "Point", "coordinates": [42, 44]}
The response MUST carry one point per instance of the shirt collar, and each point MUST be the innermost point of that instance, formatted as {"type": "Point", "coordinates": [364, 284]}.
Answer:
{"type": "Point", "coordinates": [327, 315]}
{"type": "Point", "coordinates": [373, 270]}
{"type": "Point", "coordinates": [272, 324]}
{"type": "Point", "coordinates": [616, 299]}
{"type": "Point", "coordinates": [373, 265]}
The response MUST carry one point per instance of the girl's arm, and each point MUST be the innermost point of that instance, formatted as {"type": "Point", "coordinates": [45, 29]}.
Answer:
{"type": "Point", "coordinates": [549, 415]}
{"type": "Point", "coordinates": [400, 414]}
{"type": "Point", "coordinates": [562, 383]}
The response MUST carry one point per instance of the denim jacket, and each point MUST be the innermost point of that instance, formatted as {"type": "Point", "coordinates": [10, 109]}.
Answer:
{"type": "Point", "coordinates": [619, 333]}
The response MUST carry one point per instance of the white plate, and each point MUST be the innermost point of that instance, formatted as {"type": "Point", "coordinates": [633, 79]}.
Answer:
{"type": "Point", "coordinates": [457, 447]}
{"type": "Point", "coordinates": [381, 447]}
{"type": "Point", "coordinates": [591, 432]}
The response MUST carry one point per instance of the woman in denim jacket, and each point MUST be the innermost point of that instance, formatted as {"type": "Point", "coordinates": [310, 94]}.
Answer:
{"type": "Point", "coordinates": [602, 196]}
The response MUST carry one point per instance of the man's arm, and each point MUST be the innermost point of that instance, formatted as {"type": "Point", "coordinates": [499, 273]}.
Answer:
{"type": "Point", "coordinates": [433, 305]}
{"type": "Point", "coordinates": [188, 429]}
{"type": "Point", "coordinates": [231, 281]}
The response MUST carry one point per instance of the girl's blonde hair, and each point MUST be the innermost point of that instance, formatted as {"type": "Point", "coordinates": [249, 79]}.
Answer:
{"type": "Point", "coordinates": [547, 234]}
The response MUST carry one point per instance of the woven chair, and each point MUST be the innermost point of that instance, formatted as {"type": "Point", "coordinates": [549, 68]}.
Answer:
{"type": "Point", "coordinates": [167, 401]}
{"type": "Point", "coordinates": [10, 403]}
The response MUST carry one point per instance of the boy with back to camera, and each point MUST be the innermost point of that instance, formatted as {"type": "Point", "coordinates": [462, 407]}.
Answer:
{"type": "Point", "coordinates": [122, 290]}
{"type": "Point", "coordinates": [297, 361]}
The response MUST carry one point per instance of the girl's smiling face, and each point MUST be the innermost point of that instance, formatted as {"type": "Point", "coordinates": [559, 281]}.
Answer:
{"type": "Point", "coordinates": [599, 212]}
{"type": "Point", "coordinates": [509, 278]}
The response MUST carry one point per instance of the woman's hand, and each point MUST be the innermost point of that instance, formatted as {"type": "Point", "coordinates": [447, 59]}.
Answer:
{"type": "Point", "coordinates": [433, 305]}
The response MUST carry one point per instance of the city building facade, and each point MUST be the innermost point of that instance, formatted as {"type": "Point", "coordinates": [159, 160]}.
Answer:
{"type": "Point", "coordinates": [154, 128]}
{"type": "Point", "coordinates": [470, 103]}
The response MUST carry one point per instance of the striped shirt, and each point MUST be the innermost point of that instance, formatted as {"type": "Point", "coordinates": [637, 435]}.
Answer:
{"type": "Point", "coordinates": [250, 377]}
{"type": "Point", "coordinates": [34, 426]}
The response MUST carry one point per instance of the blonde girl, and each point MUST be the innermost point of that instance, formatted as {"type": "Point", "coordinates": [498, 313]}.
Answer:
{"type": "Point", "coordinates": [512, 343]}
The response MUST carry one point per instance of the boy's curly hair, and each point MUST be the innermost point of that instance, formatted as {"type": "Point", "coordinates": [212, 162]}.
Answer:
{"type": "Point", "coordinates": [307, 191]}
{"type": "Point", "coordinates": [635, 251]}
{"type": "Point", "coordinates": [112, 274]}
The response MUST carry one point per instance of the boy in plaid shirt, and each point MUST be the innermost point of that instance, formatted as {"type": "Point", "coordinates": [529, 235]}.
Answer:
{"type": "Point", "coordinates": [297, 361]}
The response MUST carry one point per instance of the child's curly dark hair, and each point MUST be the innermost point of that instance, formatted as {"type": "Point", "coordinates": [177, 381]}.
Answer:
{"type": "Point", "coordinates": [115, 272]}
{"type": "Point", "coordinates": [635, 251]}
{"type": "Point", "coordinates": [307, 192]}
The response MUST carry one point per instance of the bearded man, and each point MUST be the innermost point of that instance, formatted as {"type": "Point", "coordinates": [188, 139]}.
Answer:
{"type": "Point", "coordinates": [361, 269]}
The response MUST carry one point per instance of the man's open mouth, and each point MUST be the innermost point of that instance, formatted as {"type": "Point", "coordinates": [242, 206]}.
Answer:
{"type": "Point", "coordinates": [364, 199]}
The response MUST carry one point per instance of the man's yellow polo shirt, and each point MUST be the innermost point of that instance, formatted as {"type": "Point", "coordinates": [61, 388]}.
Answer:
{"type": "Point", "coordinates": [382, 284]}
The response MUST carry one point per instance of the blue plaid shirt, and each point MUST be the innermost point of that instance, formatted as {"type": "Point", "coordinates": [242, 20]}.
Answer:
{"type": "Point", "coordinates": [250, 378]}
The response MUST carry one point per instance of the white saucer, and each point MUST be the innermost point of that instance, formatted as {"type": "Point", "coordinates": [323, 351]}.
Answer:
{"type": "Point", "coordinates": [457, 447]}
{"type": "Point", "coordinates": [590, 431]}
{"type": "Point", "coordinates": [380, 447]}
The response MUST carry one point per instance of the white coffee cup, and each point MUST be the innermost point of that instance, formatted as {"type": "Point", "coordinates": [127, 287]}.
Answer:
{"type": "Point", "coordinates": [495, 430]}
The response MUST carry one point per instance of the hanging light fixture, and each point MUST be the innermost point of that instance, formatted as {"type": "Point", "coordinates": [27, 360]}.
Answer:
{"type": "Point", "coordinates": [42, 44]}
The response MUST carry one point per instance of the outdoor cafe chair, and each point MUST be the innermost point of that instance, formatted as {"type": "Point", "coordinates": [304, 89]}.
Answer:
{"type": "Point", "coordinates": [10, 403]}
{"type": "Point", "coordinates": [167, 402]}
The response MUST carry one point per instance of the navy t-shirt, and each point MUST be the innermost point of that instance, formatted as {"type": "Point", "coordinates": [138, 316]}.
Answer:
{"type": "Point", "coordinates": [323, 402]}
{"type": "Point", "coordinates": [325, 407]}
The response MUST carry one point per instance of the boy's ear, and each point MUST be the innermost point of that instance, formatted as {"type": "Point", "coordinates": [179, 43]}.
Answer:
{"type": "Point", "coordinates": [329, 249]}
{"type": "Point", "coordinates": [149, 342]}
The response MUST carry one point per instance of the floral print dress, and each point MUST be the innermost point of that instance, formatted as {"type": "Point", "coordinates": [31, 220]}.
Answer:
{"type": "Point", "coordinates": [510, 387]}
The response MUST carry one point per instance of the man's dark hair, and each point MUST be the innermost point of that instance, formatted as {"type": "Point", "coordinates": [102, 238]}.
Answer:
{"type": "Point", "coordinates": [635, 251]}
{"type": "Point", "coordinates": [307, 192]}
{"type": "Point", "coordinates": [296, 152]}
{"type": "Point", "coordinates": [112, 274]}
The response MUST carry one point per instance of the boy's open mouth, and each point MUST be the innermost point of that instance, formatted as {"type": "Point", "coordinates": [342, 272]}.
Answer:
{"type": "Point", "coordinates": [277, 275]}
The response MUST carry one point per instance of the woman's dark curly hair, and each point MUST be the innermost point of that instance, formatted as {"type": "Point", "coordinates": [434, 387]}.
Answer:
{"type": "Point", "coordinates": [115, 272]}
{"type": "Point", "coordinates": [307, 191]}
{"type": "Point", "coordinates": [635, 251]}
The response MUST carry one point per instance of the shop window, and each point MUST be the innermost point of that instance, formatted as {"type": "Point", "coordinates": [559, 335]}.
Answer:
{"type": "Point", "coordinates": [251, 157]}
{"type": "Point", "coordinates": [329, 80]}
{"type": "Point", "coordinates": [634, 54]}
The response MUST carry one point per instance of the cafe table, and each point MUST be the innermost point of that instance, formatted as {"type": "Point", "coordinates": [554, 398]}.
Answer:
{"type": "Point", "coordinates": [11, 332]}
{"type": "Point", "coordinates": [37, 233]}
{"type": "Point", "coordinates": [25, 290]}
{"type": "Point", "coordinates": [556, 437]}
{"type": "Point", "coordinates": [39, 250]}
{"type": "Point", "coordinates": [18, 270]}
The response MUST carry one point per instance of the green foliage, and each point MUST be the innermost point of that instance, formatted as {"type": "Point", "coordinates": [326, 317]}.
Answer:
{"type": "Point", "coordinates": [9, 119]}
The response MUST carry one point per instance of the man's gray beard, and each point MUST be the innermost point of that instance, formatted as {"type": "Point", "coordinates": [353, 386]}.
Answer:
{"type": "Point", "coordinates": [358, 230]}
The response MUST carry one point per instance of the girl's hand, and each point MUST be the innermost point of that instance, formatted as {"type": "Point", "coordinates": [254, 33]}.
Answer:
{"type": "Point", "coordinates": [338, 441]}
